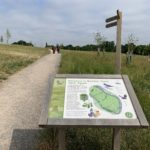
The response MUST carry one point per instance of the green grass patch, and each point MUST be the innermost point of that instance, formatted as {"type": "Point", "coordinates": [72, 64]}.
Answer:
{"type": "Point", "coordinates": [86, 62]}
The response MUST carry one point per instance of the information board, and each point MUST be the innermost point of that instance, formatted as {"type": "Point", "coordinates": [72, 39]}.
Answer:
{"type": "Point", "coordinates": [90, 98]}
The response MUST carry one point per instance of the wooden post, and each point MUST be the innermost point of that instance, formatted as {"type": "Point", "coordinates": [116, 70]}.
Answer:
{"type": "Point", "coordinates": [118, 44]}
{"type": "Point", "coordinates": [61, 139]}
{"type": "Point", "coordinates": [111, 22]}
{"type": "Point", "coordinates": [116, 139]}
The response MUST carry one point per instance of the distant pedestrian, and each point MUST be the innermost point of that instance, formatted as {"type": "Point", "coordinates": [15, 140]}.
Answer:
{"type": "Point", "coordinates": [57, 48]}
{"type": "Point", "coordinates": [53, 49]}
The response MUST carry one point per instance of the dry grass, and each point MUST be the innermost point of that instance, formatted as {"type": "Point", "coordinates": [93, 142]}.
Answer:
{"type": "Point", "coordinates": [15, 57]}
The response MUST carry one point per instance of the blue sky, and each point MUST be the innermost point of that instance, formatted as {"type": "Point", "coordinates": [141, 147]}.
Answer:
{"type": "Point", "coordinates": [72, 21]}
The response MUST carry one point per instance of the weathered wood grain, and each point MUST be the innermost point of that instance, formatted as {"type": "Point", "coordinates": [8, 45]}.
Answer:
{"type": "Point", "coordinates": [116, 139]}
{"type": "Point", "coordinates": [93, 122]}
{"type": "Point", "coordinates": [118, 44]}
{"type": "Point", "coordinates": [135, 102]}
{"type": "Point", "coordinates": [92, 76]}
{"type": "Point", "coordinates": [61, 139]}
{"type": "Point", "coordinates": [44, 114]}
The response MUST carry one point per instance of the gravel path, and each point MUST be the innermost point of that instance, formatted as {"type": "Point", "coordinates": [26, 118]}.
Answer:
{"type": "Point", "coordinates": [21, 99]}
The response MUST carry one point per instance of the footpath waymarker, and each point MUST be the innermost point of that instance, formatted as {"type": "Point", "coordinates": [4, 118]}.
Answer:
{"type": "Point", "coordinates": [111, 22]}
{"type": "Point", "coordinates": [83, 100]}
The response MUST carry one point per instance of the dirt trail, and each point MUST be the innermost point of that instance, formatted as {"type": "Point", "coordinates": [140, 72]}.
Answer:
{"type": "Point", "coordinates": [21, 99]}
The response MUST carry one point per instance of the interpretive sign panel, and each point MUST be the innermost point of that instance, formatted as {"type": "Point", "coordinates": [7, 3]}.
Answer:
{"type": "Point", "coordinates": [90, 98]}
{"type": "Point", "coordinates": [92, 101]}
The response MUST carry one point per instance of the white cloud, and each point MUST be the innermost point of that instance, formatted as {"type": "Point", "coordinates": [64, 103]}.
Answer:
{"type": "Point", "coordinates": [72, 21]}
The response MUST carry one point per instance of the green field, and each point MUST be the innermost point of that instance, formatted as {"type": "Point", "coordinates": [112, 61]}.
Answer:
{"type": "Point", "coordinates": [97, 139]}
{"type": "Point", "coordinates": [15, 57]}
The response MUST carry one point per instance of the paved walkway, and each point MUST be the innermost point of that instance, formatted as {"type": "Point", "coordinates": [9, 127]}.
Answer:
{"type": "Point", "coordinates": [21, 99]}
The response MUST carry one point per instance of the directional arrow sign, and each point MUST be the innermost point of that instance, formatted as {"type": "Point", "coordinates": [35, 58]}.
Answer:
{"type": "Point", "coordinates": [112, 18]}
{"type": "Point", "coordinates": [111, 24]}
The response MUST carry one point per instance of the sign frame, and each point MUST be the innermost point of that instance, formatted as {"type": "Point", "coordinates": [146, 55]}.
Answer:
{"type": "Point", "coordinates": [116, 124]}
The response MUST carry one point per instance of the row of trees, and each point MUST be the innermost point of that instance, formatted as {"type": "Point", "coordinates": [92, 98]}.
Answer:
{"type": "Point", "coordinates": [103, 45]}
{"type": "Point", "coordinates": [24, 43]}
{"type": "Point", "coordinates": [109, 46]}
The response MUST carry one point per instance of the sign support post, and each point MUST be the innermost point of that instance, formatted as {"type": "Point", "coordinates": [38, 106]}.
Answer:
{"type": "Point", "coordinates": [117, 21]}
{"type": "Point", "coordinates": [116, 139]}
{"type": "Point", "coordinates": [61, 139]}
{"type": "Point", "coordinates": [118, 43]}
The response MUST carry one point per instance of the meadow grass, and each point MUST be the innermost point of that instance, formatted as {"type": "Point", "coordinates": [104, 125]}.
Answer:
{"type": "Point", "coordinates": [23, 50]}
{"type": "Point", "coordinates": [15, 57]}
{"type": "Point", "coordinates": [78, 62]}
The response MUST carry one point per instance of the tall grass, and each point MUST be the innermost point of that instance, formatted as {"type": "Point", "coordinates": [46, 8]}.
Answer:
{"type": "Point", "coordinates": [139, 73]}
{"type": "Point", "coordinates": [86, 62]}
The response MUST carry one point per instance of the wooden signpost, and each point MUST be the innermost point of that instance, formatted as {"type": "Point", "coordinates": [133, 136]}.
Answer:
{"type": "Point", "coordinates": [111, 22]}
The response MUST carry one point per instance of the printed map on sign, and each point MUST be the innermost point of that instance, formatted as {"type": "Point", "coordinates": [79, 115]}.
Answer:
{"type": "Point", "coordinates": [92, 98]}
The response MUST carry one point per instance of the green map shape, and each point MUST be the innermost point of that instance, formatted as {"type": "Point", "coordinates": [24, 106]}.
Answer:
{"type": "Point", "coordinates": [106, 100]}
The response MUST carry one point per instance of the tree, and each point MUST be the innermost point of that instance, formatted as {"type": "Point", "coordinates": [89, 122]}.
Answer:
{"type": "Point", "coordinates": [1, 39]}
{"type": "Point", "coordinates": [46, 45]}
{"type": "Point", "coordinates": [131, 46]}
{"type": "Point", "coordinates": [100, 41]}
{"type": "Point", "coordinates": [8, 35]}
{"type": "Point", "coordinates": [109, 46]}
{"type": "Point", "coordinates": [132, 40]}
{"type": "Point", "coordinates": [61, 46]}
{"type": "Point", "coordinates": [21, 42]}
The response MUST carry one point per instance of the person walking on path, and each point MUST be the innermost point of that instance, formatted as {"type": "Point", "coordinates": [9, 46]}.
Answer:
{"type": "Point", "coordinates": [57, 48]}
{"type": "Point", "coordinates": [53, 49]}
